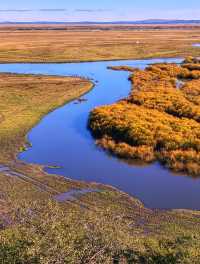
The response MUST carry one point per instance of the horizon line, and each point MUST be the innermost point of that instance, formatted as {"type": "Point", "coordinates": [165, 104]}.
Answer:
{"type": "Point", "coordinates": [106, 21]}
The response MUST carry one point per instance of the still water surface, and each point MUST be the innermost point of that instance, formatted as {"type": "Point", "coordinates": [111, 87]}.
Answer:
{"type": "Point", "coordinates": [62, 139]}
{"type": "Point", "coordinates": [196, 45]}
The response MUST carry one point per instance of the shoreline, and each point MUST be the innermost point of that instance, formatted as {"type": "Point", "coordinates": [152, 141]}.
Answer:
{"type": "Point", "coordinates": [88, 61]}
{"type": "Point", "coordinates": [17, 162]}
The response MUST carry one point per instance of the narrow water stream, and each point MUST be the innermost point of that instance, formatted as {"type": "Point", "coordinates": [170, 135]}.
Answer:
{"type": "Point", "coordinates": [62, 139]}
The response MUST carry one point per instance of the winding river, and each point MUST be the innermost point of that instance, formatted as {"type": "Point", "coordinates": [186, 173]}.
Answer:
{"type": "Point", "coordinates": [62, 139]}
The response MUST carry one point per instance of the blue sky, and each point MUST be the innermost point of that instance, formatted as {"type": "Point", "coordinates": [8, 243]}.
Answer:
{"type": "Point", "coordinates": [101, 10]}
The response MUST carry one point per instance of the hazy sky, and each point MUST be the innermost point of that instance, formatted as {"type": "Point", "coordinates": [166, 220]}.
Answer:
{"type": "Point", "coordinates": [100, 10]}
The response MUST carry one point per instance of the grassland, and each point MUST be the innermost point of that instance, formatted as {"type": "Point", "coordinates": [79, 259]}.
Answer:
{"type": "Point", "coordinates": [25, 99]}
{"type": "Point", "coordinates": [90, 43]}
{"type": "Point", "coordinates": [104, 226]}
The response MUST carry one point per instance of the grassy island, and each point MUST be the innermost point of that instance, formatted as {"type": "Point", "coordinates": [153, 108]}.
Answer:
{"type": "Point", "coordinates": [160, 119]}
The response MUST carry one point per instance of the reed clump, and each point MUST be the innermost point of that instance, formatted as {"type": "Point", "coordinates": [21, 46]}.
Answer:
{"type": "Point", "coordinates": [157, 121]}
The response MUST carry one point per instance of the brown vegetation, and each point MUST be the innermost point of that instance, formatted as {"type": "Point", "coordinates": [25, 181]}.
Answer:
{"type": "Point", "coordinates": [157, 121]}
{"type": "Point", "coordinates": [122, 68]}
{"type": "Point", "coordinates": [24, 99]}
{"type": "Point", "coordinates": [105, 226]}
{"type": "Point", "coordinates": [102, 227]}
{"type": "Point", "coordinates": [56, 43]}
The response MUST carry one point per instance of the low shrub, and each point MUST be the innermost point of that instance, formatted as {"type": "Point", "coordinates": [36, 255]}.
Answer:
{"type": "Point", "coordinates": [158, 120]}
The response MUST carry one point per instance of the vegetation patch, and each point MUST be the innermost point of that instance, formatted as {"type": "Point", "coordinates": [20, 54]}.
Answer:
{"type": "Point", "coordinates": [109, 227]}
{"type": "Point", "coordinates": [25, 99]}
{"type": "Point", "coordinates": [157, 121]}
{"type": "Point", "coordinates": [29, 43]}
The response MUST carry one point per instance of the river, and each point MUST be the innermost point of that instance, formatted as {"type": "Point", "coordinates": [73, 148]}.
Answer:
{"type": "Point", "coordinates": [62, 139]}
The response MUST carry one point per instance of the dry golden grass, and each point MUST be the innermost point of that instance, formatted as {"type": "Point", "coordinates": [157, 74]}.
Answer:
{"type": "Point", "coordinates": [94, 43]}
{"type": "Point", "coordinates": [24, 99]}
{"type": "Point", "coordinates": [112, 227]}
{"type": "Point", "coordinates": [157, 121]}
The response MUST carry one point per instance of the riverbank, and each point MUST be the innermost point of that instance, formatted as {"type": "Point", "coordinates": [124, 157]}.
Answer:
{"type": "Point", "coordinates": [112, 226]}
{"type": "Point", "coordinates": [25, 99]}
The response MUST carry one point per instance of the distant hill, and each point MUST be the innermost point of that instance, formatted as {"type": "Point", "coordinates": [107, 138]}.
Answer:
{"type": "Point", "coordinates": [147, 22]}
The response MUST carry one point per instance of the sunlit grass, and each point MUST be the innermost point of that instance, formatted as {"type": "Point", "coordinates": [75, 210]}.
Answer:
{"type": "Point", "coordinates": [88, 45]}
{"type": "Point", "coordinates": [25, 99]}
{"type": "Point", "coordinates": [157, 121]}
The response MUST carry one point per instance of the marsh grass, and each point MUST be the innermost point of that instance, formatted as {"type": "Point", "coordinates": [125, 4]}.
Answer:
{"type": "Point", "coordinates": [113, 228]}
{"type": "Point", "coordinates": [80, 44]}
{"type": "Point", "coordinates": [25, 99]}
{"type": "Point", "coordinates": [157, 121]}
{"type": "Point", "coordinates": [104, 227]}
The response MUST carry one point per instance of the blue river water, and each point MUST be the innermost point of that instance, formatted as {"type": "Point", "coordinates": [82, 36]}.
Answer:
{"type": "Point", "coordinates": [62, 139]}
{"type": "Point", "coordinates": [196, 45]}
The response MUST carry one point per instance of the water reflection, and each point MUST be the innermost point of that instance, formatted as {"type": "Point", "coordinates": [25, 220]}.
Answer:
{"type": "Point", "coordinates": [62, 139]}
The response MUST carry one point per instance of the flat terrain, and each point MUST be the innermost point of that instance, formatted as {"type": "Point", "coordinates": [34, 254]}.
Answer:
{"type": "Point", "coordinates": [24, 99]}
{"type": "Point", "coordinates": [46, 218]}
{"type": "Point", "coordinates": [56, 43]}
{"type": "Point", "coordinates": [42, 220]}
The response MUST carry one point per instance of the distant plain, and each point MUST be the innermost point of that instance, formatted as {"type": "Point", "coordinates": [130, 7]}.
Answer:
{"type": "Point", "coordinates": [70, 43]}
